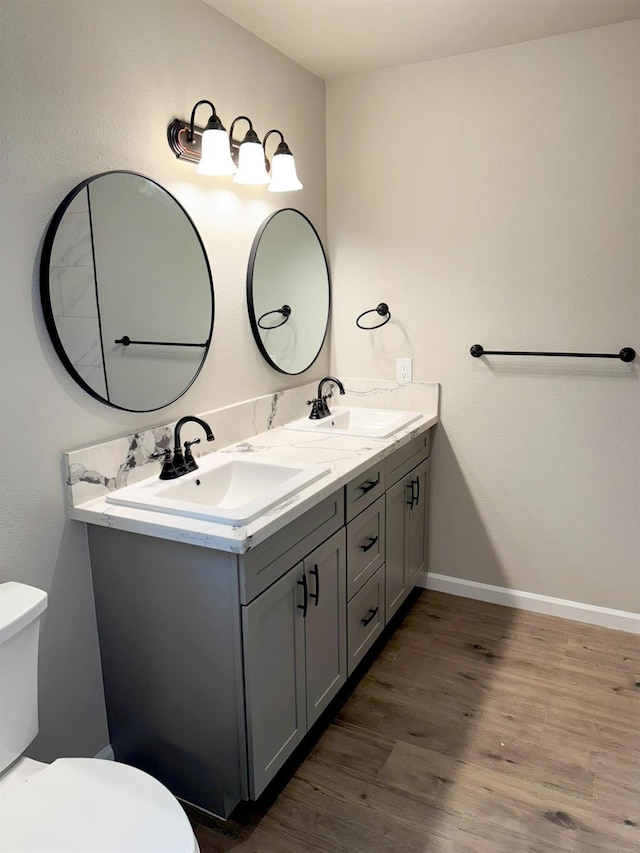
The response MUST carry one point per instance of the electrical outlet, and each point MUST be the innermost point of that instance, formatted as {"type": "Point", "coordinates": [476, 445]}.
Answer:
{"type": "Point", "coordinates": [404, 369]}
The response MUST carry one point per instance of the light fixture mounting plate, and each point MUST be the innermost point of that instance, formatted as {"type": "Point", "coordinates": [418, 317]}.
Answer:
{"type": "Point", "coordinates": [178, 138]}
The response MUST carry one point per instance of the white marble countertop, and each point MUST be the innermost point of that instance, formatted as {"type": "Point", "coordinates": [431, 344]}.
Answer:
{"type": "Point", "coordinates": [347, 457]}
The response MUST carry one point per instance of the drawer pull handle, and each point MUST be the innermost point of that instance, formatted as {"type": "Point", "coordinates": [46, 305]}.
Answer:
{"type": "Point", "coordinates": [370, 617]}
{"type": "Point", "coordinates": [303, 606]}
{"type": "Point", "coordinates": [369, 546]}
{"type": "Point", "coordinates": [366, 487]}
{"type": "Point", "coordinates": [315, 595]}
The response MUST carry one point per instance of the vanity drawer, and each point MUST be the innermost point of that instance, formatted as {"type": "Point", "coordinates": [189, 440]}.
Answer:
{"type": "Point", "coordinates": [365, 619]}
{"type": "Point", "coordinates": [364, 490]}
{"type": "Point", "coordinates": [401, 461]}
{"type": "Point", "coordinates": [264, 564]}
{"type": "Point", "coordinates": [365, 546]}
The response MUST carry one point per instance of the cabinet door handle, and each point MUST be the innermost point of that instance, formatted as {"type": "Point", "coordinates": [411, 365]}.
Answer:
{"type": "Point", "coordinates": [414, 485]}
{"type": "Point", "coordinates": [369, 618]}
{"type": "Point", "coordinates": [410, 502]}
{"type": "Point", "coordinates": [366, 487]}
{"type": "Point", "coordinates": [315, 595]}
{"type": "Point", "coordinates": [372, 542]}
{"type": "Point", "coordinates": [303, 606]}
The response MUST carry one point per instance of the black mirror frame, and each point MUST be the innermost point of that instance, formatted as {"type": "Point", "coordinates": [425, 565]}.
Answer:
{"type": "Point", "coordinates": [45, 289]}
{"type": "Point", "coordinates": [250, 304]}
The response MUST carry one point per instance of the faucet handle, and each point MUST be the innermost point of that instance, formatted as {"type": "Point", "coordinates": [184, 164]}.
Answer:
{"type": "Point", "coordinates": [189, 461]}
{"type": "Point", "coordinates": [317, 409]}
{"type": "Point", "coordinates": [168, 471]}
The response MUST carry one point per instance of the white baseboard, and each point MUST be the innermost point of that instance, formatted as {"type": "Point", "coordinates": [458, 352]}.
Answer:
{"type": "Point", "coordinates": [106, 753]}
{"type": "Point", "coordinates": [620, 620]}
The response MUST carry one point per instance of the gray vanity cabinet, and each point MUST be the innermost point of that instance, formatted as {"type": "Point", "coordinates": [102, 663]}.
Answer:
{"type": "Point", "coordinates": [274, 673]}
{"type": "Point", "coordinates": [214, 670]}
{"type": "Point", "coordinates": [417, 523]}
{"type": "Point", "coordinates": [169, 622]}
{"type": "Point", "coordinates": [407, 532]}
{"type": "Point", "coordinates": [395, 574]}
{"type": "Point", "coordinates": [295, 657]}
{"type": "Point", "coordinates": [326, 624]}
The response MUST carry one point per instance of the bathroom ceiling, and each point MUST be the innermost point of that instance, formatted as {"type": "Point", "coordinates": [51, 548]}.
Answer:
{"type": "Point", "coordinates": [332, 38]}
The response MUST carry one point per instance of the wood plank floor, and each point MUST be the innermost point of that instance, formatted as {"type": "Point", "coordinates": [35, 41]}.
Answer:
{"type": "Point", "coordinates": [478, 729]}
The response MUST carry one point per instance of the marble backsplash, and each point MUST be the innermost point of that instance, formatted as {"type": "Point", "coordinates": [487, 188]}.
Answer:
{"type": "Point", "coordinates": [92, 472]}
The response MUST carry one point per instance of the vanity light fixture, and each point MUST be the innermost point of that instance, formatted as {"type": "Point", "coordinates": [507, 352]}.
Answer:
{"type": "Point", "coordinates": [283, 167]}
{"type": "Point", "coordinates": [252, 168]}
{"type": "Point", "coordinates": [217, 153]}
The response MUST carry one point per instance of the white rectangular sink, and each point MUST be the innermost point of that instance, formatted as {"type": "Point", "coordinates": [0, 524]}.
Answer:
{"type": "Point", "coordinates": [228, 488]}
{"type": "Point", "coordinates": [367, 423]}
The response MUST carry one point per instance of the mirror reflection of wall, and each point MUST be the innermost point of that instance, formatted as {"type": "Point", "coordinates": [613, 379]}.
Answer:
{"type": "Point", "coordinates": [288, 291]}
{"type": "Point", "coordinates": [72, 289]}
{"type": "Point", "coordinates": [122, 258]}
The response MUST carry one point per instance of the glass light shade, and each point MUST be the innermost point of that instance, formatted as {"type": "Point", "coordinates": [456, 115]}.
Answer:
{"type": "Point", "coordinates": [251, 166]}
{"type": "Point", "coordinates": [283, 174]}
{"type": "Point", "coordinates": [216, 154]}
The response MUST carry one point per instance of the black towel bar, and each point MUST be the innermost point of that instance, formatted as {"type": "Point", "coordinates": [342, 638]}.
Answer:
{"type": "Point", "coordinates": [625, 354]}
{"type": "Point", "coordinates": [126, 341]}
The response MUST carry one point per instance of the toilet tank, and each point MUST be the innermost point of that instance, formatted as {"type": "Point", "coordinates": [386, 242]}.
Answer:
{"type": "Point", "coordinates": [20, 609]}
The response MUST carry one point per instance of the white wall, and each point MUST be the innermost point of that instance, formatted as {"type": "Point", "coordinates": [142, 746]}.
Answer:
{"type": "Point", "coordinates": [492, 198]}
{"type": "Point", "coordinates": [86, 87]}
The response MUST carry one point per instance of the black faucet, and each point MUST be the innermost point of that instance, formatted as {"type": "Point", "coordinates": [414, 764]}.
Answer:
{"type": "Point", "coordinates": [320, 409]}
{"type": "Point", "coordinates": [182, 463]}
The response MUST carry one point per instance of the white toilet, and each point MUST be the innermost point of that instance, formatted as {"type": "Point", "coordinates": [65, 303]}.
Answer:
{"type": "Point", "coordinates": [75, 805]}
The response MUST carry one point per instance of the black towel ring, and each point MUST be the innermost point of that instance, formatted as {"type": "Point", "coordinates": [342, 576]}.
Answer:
{"type": "Point", "coordinates": [285, 311]}
{"type": "Point", "coordinates": [382, 310]}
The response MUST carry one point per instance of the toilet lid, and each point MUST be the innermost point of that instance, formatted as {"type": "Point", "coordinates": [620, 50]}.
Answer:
{"type": "Point", "coordinates": [85, 805]}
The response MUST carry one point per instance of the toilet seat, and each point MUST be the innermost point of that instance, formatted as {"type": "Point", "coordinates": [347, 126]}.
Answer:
{"type": "Point", "coordinates": [87, 805]}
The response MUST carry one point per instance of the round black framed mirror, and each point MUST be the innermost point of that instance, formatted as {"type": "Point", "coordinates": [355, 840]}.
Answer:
{"type": "Point", "coordinates": [127, 292]}
{"type": "Point", "coordinates": [288, 291]}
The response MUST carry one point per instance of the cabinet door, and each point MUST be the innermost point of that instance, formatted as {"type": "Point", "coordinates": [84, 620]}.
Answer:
{"type": "Point", "coordinates": [274, 671]}
{"type": "Point", "coordinates": [398, 501]}
{"type": "Point", "coordinates": [417, 527]}
{"type": "Point", "coordinates": [325, 624]}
